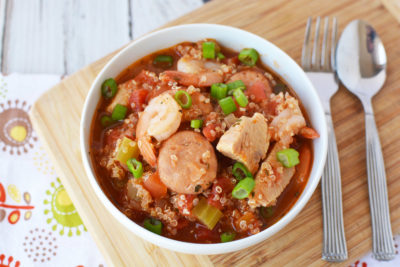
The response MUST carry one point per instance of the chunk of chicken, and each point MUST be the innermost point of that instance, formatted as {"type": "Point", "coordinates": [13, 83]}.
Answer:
{"type": "Point", "coordinates": [289, 120]}
{"type": "Point", "coordinates": [271, 180]}
{"type": "Point", "coordinates": [246, 141]}
{"type": "Point", "coordinates": [187, 163]}
{"type": "Point", "coordinates": [123, 94]}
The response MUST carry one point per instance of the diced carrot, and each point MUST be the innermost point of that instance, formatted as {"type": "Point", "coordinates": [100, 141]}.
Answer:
{"type": "Point", "coordinates": [138, 98]}
{"type": "Point", "coordinates": [308, 133]}
{"type": "Point", "coordinates": [154, 185]}
{"type": "Point", "coordinates": [303, 168]}
{"type": "Point", "coordinates": [258, 90]}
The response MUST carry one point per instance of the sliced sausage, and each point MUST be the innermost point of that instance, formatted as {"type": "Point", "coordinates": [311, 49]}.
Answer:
{"type": "Point", "coordinates": [187, 163]}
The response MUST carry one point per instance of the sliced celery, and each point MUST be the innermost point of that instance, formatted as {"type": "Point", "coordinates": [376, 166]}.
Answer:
{"type": "Point", "coordinates": [127, 149]}
{"type": "Point", "coordinates": [207, 214]}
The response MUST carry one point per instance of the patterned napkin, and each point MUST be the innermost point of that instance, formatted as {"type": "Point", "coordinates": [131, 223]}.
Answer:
{"type": "Point", "coordinates": [39, 225]}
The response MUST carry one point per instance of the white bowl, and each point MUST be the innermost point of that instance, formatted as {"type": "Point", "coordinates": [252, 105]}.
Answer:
{"type": "Point", "coordinates": [235, 39]}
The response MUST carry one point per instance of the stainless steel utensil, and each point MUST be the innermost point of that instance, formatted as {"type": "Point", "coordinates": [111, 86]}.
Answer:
{"type": "Point", "coordinates": [361, 66]}
{"type": "Point", "coordinates": [320, 68]}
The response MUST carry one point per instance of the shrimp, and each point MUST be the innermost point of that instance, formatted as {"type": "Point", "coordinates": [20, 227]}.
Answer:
{"type": "Point", "coordinates": [160, 119]}
{"type": "Point", "coordinates": [196, 72]}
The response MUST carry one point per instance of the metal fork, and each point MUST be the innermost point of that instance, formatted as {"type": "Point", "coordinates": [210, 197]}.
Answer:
{"type": "Point", "coordinates": [321, 71]}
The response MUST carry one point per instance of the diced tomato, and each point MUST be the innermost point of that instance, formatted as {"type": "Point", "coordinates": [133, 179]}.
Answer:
{"type": "Point", "coordinates": [238, 113]}
{"type": "Point", "coordinates": [138, 98]}
{"type": "Point", "coordinates": [154, 185]}
{"type": "Point", "coordinates": [202, 233]}
{"type": "Point", "coordinates": [144, 77]}
{"type": "Point", "coordinates": [231, 60]}
{"type": "Point", "coordinates": [269, 107]}
{"type": "Point", "coordinates": [209, 132]}
{"type": "Point", "coordinates": [258, 90]}
{"type": "Point", "coordinates": [308, 133]}
{"type": "Point", "coordinates": [182, 223]}
{"type": "Point", "coordinates": [250, 218]}
{"type": "Point", "coordinates": [222, 187]}
{"type": "Point", "coordinates": [187, 203]}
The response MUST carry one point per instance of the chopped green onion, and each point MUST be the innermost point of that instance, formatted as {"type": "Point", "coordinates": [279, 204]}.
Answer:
{"type": "Point", "coordinates": [240, 171]}
{"type": "Point", "coordinates": [220, 55]}
{"type": "Point", "coordinates": [153, 225]}
{"type": "Point", "coordinates": [119, 112]}
{"type": "Point", "coordinates": [267, 212]}
{"type": "Point", "coordinates": [248, 56]}
{"type": "Point", "coordinates": [240, 97]}
{"type": "Point", "coordinates": [106, 121]}
{"type": "Point", "coordinates": [219, 90]}
{"type": "Point", "coordinates": [279, 87]}
{"type": "Point", "coordinates": [289, 157]}
{"type": "Point", "coordinates": [228, 105]}
{"type": "Point", "coordinates": [243, 188]}
{"type": "Point", "coordinates": [206, 213]}
{"type": "Point", "coordinates": [227, 237]}
{"type": "Point", "coordinates": [109, 88]}
{"type": "Point", "coordinates": [196, 124]}
{"type": "Point", "coordinates": [188, 100]}
{"type": "Point", "coordinates": [239, 84]}
{"type": "Point", "coordinates": [163, 61]}
{"type": "Point", "coordinates": [209, 50]}
{"type": "Point", "coordinates": [135, 167]}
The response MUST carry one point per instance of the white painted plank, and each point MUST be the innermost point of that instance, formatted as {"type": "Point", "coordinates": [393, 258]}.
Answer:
{"type": "Point", "coordinates": [150, 14]}
{"type": "Point", "coordinates": [94, 29]}
{"type": "Point", "coordinates": [34, 37]}
{"type": "Point", "coordinates": [2, 23]}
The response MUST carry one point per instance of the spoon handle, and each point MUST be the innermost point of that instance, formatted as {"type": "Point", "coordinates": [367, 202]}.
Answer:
{"type": "Point", "coordinates": [334, 248]}
{"type": "Point", "coordinates": [382, 239]}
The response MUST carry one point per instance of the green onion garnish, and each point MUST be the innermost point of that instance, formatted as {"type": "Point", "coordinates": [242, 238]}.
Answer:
{"type": "Point", "coordinates": [196, 124]}
{"type": "Point", "coordinates": [163, 61]}
{"type": "Point", "coordinates": [135, 167]}
{"type": "Point", "coordinates": [267, 212]}
{"type": "Point", "coordinates": [240, 97]}
{"type": "Point", "coordinates": [188, 100]}
{"type": "Point", "coordinates": [153, 225]}
{"type": "Point", "coordinates": [243, 188]}
{"type": "Point", "coordinates": [106, 121]}
{"type": "Point", "coordinates": [219, 90]}
{"type": "Point", "coordinates": [248, 56]}
{"type": "Point", "coordinates": [209, 50]}
{"type": "Point", "coordinates": [227, 237]}
{"type": "Point", "coordinates": [109, 88]}
{"type": "Point", "coordinates": [239, 84]}
{"type": "Point", "coordinates": [227, 105]}
{"type": "Point", "coordinates": [220, 55]}
{"type": "Point", "coordinates": [240, 171]}
{"type": "Point", "coordinates": [119, 112]}
{"type": "Point", "coordinates": [288, 157]}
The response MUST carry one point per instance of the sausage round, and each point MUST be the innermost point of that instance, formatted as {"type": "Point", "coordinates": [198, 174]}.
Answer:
{"type": "Point", "coordinates": [187, 163]}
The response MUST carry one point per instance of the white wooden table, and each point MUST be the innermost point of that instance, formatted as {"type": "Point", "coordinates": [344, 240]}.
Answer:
{"type": "Point", "coordinates": [62, 36]}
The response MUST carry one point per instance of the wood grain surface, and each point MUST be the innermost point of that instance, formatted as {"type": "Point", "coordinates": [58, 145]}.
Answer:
{"type": "Point", "coordinates": [56, 118]}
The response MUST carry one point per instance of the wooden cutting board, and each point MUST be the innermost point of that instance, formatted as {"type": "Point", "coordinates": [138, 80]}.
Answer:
{"type": "Point", "coordinates": [56, 117]}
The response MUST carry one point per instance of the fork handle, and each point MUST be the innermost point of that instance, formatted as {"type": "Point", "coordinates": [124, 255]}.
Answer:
{"type": "Point", "coordinates": [334, 245]}
{"type": "Point", "coordinates": [382, 239]}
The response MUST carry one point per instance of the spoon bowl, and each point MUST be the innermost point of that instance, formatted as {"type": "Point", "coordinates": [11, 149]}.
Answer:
{"type": "Point", "coordinates": [362, 59]}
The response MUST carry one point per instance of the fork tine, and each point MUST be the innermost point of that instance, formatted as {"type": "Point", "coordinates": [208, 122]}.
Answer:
{"type": "Point", "coordinates": [324, 51]}
{"type": "Point", "coordinates": [315, 60]}
{"type": "Point", "coordinates": [305, 58]}
{"type": "Point", "coordinates": [333, 43]}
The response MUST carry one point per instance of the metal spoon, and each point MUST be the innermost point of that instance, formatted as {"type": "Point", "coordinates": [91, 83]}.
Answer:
{"type": "Point", "coordinates": [361, 66]}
